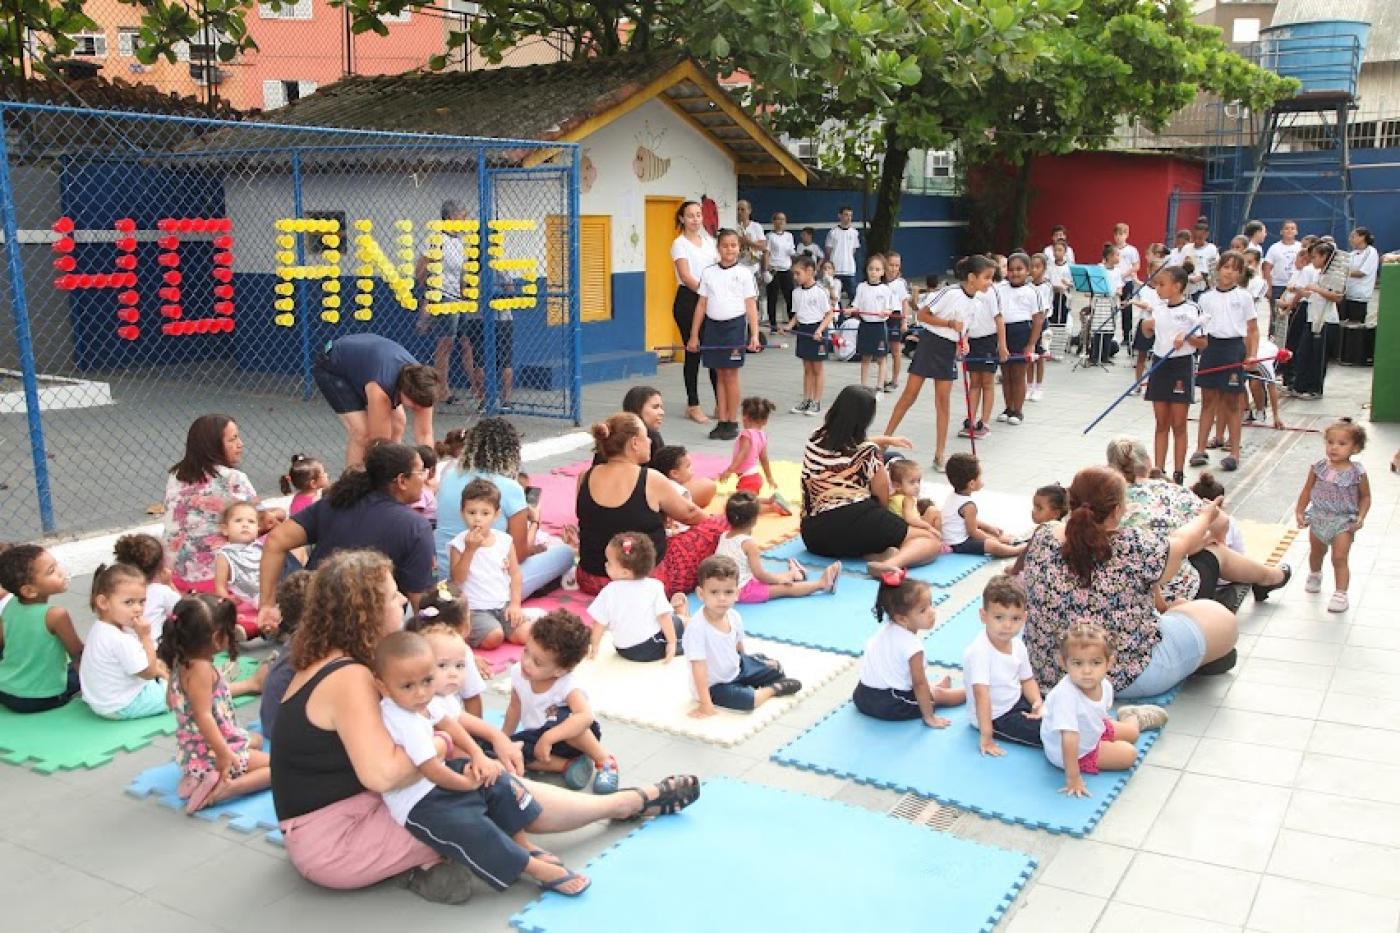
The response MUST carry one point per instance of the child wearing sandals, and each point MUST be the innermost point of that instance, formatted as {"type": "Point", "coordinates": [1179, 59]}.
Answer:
{"type": "Point", "coordinates": [721, 673]}
{"type": "Point", "coordinates": [1333, 504]}
{"type": "Point", "coordinates": [758, 584]}
{"type": "Point", "coordinates": [219, 759]}
{"type": "Point", "coordinates": [1006, 700]}
{"type": "Point", "coordinates": [633, 606]}
{"type": "Point", "coordinates": [549, 713]}
{"type": "Point", "coordinates": [1076, 731]}
{"type": "Point", "coordinates": [893, 679]}
{"type": "Point", "coordinates": [963, 532]}
{"type": "Point", "coordinates": [441, 809]}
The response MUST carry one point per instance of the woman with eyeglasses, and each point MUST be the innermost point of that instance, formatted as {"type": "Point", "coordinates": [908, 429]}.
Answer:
{"type": "Point", "coordinates": [368, 507]}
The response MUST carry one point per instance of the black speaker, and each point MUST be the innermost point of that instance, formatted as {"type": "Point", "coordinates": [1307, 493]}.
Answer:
{"type": "Point", "coordinates": [1358, 345]}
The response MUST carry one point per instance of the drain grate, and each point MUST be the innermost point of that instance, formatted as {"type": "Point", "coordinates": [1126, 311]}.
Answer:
{"type": "Point", "coordinates": [924, 812]}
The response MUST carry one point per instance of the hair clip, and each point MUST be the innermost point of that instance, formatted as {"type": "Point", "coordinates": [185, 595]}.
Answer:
{"type": "Point", "coordinates": [894, 577]}
{"type": "Point", "coordinates": [625, 546]}
{"type": "Point", "coordinates": [444, 591]}
{"type": "Point", "coordinates": [428, 612]}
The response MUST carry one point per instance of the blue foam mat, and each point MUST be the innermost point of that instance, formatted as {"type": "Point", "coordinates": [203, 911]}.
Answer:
{"type": "Point", "coordinates": [842, 623]}
{"type": "Point", "coordinates": [768, 859]}
{"type": "Point", "coordinates": [946, 571]}
{"type": "Point", "coordinates": [944, 764]}
{"type": "Point", "coordinates": [245, 814]}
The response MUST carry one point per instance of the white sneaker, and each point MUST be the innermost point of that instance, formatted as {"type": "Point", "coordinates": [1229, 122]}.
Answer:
{"type": "Point", "coordinates": [1013, 419]}
{"type": "Point", "coordinates": [801, 407]}
{"type": "Point", "coordinates": [1038, 394]}
{"type": "Point", "coordinates": [1313, 584]}
{"type": "Point", "coordinates": [1338, 602]}
{"type": "Point", "coordinates": [1004, 416]}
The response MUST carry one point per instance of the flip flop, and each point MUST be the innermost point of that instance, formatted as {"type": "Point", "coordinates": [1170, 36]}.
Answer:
{"type": "Point", "coordinates": [548, 857]}
{"type": "Point", "coordinates": [783, 506]}
{"type": "Point", "coordinates": [798, 569]}
{"type": "Point", "coordinates": [564, 879]}
{"type": "Point", "coordinates": [835, 578]}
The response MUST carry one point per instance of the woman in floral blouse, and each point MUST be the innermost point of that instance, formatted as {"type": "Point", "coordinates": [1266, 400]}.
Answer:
{"type": "Point", "coordinates": [1090, 568]}
{"type": "Point", "coordinates": [200, 487]}
{"type": "Point", "coordinates": [1160, 507]}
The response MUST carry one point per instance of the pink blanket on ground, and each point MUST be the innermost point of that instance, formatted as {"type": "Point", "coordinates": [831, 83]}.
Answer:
{"type": "Point", "coordinates": [559, 488]}
{"type": "Point", "coordinates": [507, 654]}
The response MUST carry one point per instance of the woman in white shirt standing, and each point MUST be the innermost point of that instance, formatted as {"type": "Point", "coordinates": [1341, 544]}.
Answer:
{"type": "Point", "coordinates": [1361, 281]}
{"type": "Point", "coordinates": [692, 253]}
{"type": "Point", "coordinates": [778, 261]}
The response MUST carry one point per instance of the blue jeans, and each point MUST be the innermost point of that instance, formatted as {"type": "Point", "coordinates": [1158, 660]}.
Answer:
{"type": "Point", "coordinates": [537, 570]}
{"type": "Point", "coordinates": [1176, 657]}
{"type": "Point", "coordinates": [754, 672]}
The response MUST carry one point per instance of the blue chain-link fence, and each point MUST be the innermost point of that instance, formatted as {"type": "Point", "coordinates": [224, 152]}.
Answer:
{"type": "Point", "coordinates": [157, 268]}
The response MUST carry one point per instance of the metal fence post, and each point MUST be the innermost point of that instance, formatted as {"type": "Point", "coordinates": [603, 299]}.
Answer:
{"type": "Point", "coordinates": [487, 212]}
{"type": "Point", "coordinates": [303, 312]}
{"type": "Point", "coordinates": [20, 306]}
{"type": "Point", "coordinates": [1173, 205]}
{"type": "Point", "coordinates": [575, 324]}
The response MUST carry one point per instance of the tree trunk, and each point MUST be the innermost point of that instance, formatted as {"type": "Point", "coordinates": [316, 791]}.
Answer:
{"type": "Point", "coordinates": [1021, 206]}
{"type": "Point", "coordinates": [887, 196]}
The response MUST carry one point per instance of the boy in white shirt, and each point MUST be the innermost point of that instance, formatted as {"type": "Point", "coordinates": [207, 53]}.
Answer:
{"type": "Point", "coordinates": [1006, 699]}
{"type": "Point", "coordinates": [469, 811]}
{"type": "Point", "coordinates": [807, 245]}
{"type": "Point", "coordinates": [549, 713]}
{"type": "Point", "coordinates": [1201, 257]}
{"type": "Point", "coordinates": [842, 243]}
{"type": "Point", "coordinates": [1281, 259]}
{"type": "Point", "coordinates": [483, 566]}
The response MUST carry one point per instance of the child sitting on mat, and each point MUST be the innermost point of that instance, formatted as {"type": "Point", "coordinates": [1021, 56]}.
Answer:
{"type": "Point", "coordinates": [1076, 731]}
{"type": "Point", "coordinates": [147, 554]}
{"type": "Point", "coordinates": [905, 479]}
{"type": "Point", "coordinates": [485, 569]}
{"type": "Point", "coordinates": [432, 808]}
{"type": "Point", "coordinates": [459, 686]}
{"type": "Point", "coordinates": [218, 758]}
{"type": "Point", "coordinates": [236, 564]}
{"type": "Point", "coordinates": [1006, 699]}
{"type": "Point", "coordinates": [1049, 503]}
{"type": "Point", "coordinates": [758, 584]}
{"type": "Point", "coordinates": [634, 605]}
{"type": "Point", "coordinates": [750, 459]}
{"type": "Point", "coordinates": [38, 640]}
{"type": "Point", "coordinates": [439, 605]}
{"type": "Point", "coordinates": [963, 532]}
{"type": "Point", "coordinates": [893, 679]}
{"type": "Point", "coordinates": [121, 676]}
{"type": "Point", "coordinates": [291, 603]}
{"type": "Point", "coordinates": [549, 713]}
{"type": "Point", "coordinates": [721, 673]}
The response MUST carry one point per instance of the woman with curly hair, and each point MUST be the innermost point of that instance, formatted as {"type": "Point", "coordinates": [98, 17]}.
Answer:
{"type": "Point", "coordinates": [333, 757]}
{"type": "Point", "coordinates": [492, 453]}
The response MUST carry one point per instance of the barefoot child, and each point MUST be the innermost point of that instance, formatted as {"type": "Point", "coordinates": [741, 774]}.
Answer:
{"type": "Point", "coordinates": [721, 673]}
{"type": "Point", "coordinates": [1333, 507]}
{"type": "Point", "coordinates": [484, 567]}
{"type": "Point", "coordinates": [634, 605]}
{"type": "Point", "coordinates": [905, 485]}
{"type": "Point", "coordinates": [1176, 331]}
{"type": "Point", "coordinates": [962, 530]}
{"type": "Point", "coordinates": [120, 674]}
{"type": "Point", "coordinates": [893, 679]}
{"type": "Point", "coordinates": [236, 564]}
{"type": "Point", "coordinates": [901, 305]}
{"type": "Point", "coordinates": [549, 713]}
{"type": "Point", "coordinates": [758, 584]}
{"type": "Point", "coordinates": [728, 309]}
{"type": "Point", "coordinates": [812, 312]}
{"type": "Point", "coordinates": [42, 650]}
{"type": "Point", "coordinates": [218, 758]}
{"type": "Point", "coordinates": [1076, 731]}
{"type": "Point", "coordinates": [1006, 699]}
{"type": "Point", "coordinates": [871, 305]}
{"type": "Point", "coordinates": [438, 809]}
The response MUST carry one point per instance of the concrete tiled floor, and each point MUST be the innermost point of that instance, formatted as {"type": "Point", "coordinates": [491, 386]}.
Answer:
{"type": "Point", "coordinates": [1269, 804]}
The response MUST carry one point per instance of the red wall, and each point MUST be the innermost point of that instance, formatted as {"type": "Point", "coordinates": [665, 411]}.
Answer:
{"type": "Point", "coordinates": [1089, 192]}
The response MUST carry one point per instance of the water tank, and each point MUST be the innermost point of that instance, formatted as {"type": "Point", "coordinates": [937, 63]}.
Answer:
{"type": "Point", "coordinates": [1325, 56]}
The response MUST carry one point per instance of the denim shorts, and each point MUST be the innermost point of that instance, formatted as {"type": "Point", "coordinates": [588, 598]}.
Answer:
{"type": "Point", "coordinates": [1176, 657]}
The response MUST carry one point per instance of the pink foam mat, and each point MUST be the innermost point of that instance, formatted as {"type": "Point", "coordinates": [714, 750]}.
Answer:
{"type": "Point", "coordinates": [508, 653]}
{"type": "Point", "coordinates": [559, 487]}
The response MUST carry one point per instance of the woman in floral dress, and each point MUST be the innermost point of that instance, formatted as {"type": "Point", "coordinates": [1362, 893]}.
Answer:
{"type": "Point", "coordinates": [200, 487]}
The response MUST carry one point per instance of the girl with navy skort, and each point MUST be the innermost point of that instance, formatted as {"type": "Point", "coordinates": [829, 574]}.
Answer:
{"type": "Point", "coordinates": [943, 315]}
{"type": "Point", "coordinates": [1233, 329]}
{"type": "Point", "coordinates": [1171, 387]}
{"type": "Point", "coordinates": [986, 347]}
{"type": "Point", "coordinates": [1023, 315]}
{"type": "Point", "coordinates": [812, 311]}
{"type": "Point", "coordinates": [871, 305]}
{"type": "Point", "coordinates": [728, 309]}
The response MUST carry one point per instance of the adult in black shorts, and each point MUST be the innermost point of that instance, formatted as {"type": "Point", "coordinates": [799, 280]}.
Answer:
{"type": "Point", "coordinates": [369, 380]}
{"type": "Point", "coordinates": [846, 490]}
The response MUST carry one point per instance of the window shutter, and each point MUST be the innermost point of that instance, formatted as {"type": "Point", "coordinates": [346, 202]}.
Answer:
{"type": "Point", "coordinates": [595, 266]}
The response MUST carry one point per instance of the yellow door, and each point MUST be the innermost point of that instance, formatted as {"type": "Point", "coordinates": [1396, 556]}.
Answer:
{"type": "Point", "coordinates": [661, 272]}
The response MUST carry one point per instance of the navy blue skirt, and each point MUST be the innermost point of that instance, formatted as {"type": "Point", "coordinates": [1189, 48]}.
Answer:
{"type": "Point", "coordinates": [809, 347]}
{"type": "Point", "coordinates": [935, 357]}
{"type": "Point", "coordinates": [980, 349]}
{"type": "Point", "coordinates": [1173, 381]}
{"type": "Point", "coordinates": [1018, 334]}
{"type": "Point", "coordinates": [1220, 351]}
{"type": "Point", "coordinates": [872, 339]}
{"type": "Point", "coordinates": [726, 341]}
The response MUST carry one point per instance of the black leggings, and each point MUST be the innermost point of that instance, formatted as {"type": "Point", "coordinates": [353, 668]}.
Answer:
{"type": "Point", "coordinates": [683, 309]}
{"type": "Point", "coordinates": [1310, 359]}
{"type": "Point", "coordinates": [781, 284]}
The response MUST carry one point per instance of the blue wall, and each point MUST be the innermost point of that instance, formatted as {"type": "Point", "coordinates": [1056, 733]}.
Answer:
{"type": "Point", "coordinates": [925, 250]}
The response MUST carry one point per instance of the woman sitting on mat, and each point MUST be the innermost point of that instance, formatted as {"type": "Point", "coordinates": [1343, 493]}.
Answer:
{"type": "Point", "coordinates": [645, 402]}
{"type": "Point", "coordinates": [1092, 568]}
{"type": "Point", "coordinates": [201, 486]}
{"type": "Point", "coordinates": [622, 494]}
{"type": "Point", "coordinates": [333, 757]}
{"type": "Point", "coordinates": [845, 489]}
{"type": "Point", "coordinates": [1159, 508]}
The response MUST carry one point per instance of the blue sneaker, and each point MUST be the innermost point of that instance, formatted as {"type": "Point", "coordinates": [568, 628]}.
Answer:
{"type": "Point", "coordinates": [578, 773]}
{"type": "Point", "coordinates": [605, 781]}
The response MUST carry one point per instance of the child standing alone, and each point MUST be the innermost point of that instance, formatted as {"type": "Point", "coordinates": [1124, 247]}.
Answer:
{"type": "Point", "coordinates": [812, 311]}
{"type": "Point", "coordinates": [218, 758]}
{"type": "Point", "coordinates": [38, 640]}
{"type": "Point", "coordinates": [871, 305]}
{"type": "Point", "coordinates": [728, 309]}
{"type": "Point", "coordinates": [893, 679]}
{"type": "Point", "coordinates": [758, 584]}
{"type": "Point", "coordinates": [1333, 504]}
{"type": "Point", "coordinates": [722, 674]}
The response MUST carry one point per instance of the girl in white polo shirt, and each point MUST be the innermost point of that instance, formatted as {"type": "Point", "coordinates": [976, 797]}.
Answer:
{"type": "Point", "coordinates": [1171, 387]}
{"type": "Point", "coordinates": [812, 312]}
{"type": "Point", "coordinates": [778, 262]}
{"type": "Point", "coordinates": [1233, 329]}
{"type": "Point", "coordinates": [1023, 315]}
{"type": "Point", "coordinates": [728, 308]}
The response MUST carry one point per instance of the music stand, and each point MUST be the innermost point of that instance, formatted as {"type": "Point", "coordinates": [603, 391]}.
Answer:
{"type": "Point", "coordinates": [1098, 321]}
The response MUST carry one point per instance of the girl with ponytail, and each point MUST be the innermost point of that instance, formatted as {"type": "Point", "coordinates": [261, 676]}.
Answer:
{"type": "Point", "coordinates": [893, 679]}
